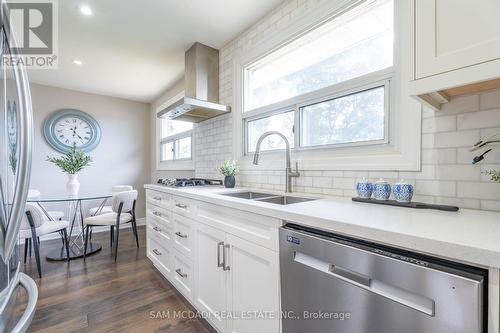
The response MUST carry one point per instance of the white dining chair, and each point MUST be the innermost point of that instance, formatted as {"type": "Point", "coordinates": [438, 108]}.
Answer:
{"type": "Point", "coordinates": [108, 209]}
{"type": "Point", "coordinates": [123, 206]}
{"type": "Point", "coordinates": [36, 224]}
{"type": "Point", "coordinates": [35, 194]}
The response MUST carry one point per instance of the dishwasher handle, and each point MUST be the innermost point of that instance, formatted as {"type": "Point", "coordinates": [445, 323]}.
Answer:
{"type": "Point", "coordinates": [351, 276]}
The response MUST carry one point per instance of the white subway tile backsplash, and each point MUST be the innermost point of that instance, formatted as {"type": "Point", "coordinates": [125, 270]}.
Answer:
{"type": "Point", "coordinates": [458, 172]}
{"type": "Point", "coordinates": [446, 174]}
{"type": "Point", "coordinates": [490, 100]}
{"type": "Point", "coordinates": [480, 119]}
{"type": "Point", "coordinates": [439, 124]}
{"type": "Point", "coordinates": [439, 156]}
{"type": "Point", "coordinates": [478, 190]}
{"type": "Point", "coordinates": [456, 139]}
{"type": "Point", "coordinates": [435, 188]}
{"type": "Point", "coordinates": [460, 104]}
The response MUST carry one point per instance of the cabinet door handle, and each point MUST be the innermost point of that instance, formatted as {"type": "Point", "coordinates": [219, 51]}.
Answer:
{"type": "Point", "coordinates": [182, 275]}
{"type": "Point", "coordinates": [219, 262]}
{"type": "Point", "coordinates": [183, 206]}
{"type": "Point", "coordinates": [155, 213]}
{"type": "Point", "coordinates": [158, 253]}
{"type": "Point", "coordinates": [225, 258]}
{"type": "Point", "coordinates": [156, 229]}
{"type": "Point", "coordinates": [178, 233]}
{"type": "Point", "coordinates": [157, 198]}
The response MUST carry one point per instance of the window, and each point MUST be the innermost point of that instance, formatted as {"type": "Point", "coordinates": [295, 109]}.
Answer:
{"type": "Point", "coordinates": [175, 140]}
{"type": "Point", "coordinates": [330, 86]}
{"type": "Point", "coordinates": [359, 117]}
{"type": "Point", "coordinates": [281, 122]}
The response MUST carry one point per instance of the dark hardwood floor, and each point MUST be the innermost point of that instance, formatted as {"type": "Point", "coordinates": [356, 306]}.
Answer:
{"type": "Point", "coordinates": [103, 296]}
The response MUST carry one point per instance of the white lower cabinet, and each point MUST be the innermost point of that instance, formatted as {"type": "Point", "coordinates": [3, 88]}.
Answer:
{"type": "Point", "coordinates": [238, 279]}
{"type": "Point", "coordinates": [253, 287]}
{"type": "Point", "coordinates": [226, 264]}
{"type": "Point", "coordinates": [210, 277]}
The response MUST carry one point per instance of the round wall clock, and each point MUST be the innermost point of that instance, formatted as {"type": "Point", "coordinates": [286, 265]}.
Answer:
{"type": "Point", "coordinates": [66, 128]}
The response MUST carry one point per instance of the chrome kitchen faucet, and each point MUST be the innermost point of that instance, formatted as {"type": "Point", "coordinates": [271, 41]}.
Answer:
{"type": "Point", "coordinates": [288, 171]}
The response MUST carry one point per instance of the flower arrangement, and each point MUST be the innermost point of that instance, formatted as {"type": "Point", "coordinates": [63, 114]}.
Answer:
{"type": "Point", "coordinates": [494, 175]}
{"type": "Point", "coordinates": [229, 168]}
{"type": "Point", "coordinates": [73, 162]}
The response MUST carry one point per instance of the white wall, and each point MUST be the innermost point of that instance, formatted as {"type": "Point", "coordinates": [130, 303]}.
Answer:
{"type": "Point", "coordinates": [156, 174]}
{"type": "Point", "coordinates": [122, 157]}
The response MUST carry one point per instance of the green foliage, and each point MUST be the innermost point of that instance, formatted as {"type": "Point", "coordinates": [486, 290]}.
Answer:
{"type": "Point", "coordinates": [73, 162]}
{"type": "Point", "coordinates": [495, 175]}
{"type": "Point", "coordinates": [229, 168]}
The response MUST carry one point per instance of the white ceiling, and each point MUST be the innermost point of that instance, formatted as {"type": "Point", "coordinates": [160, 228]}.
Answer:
{"type": "Point", "coordinates": [135, 49]}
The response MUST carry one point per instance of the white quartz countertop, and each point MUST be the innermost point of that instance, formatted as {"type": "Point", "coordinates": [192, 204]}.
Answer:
{"type": "Point", "coordinates": [468, 236]}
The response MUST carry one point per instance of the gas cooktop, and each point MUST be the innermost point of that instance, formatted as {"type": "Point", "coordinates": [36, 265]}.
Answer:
{"type": "Point", "coordinates": [184, 182]}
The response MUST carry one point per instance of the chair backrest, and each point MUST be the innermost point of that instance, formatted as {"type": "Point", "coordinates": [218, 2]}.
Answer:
{"type": "Point", "coordinates": [121, 188]}
{"type": "Point", "coordinates": [128, 198]}
{"type": "Point", "coordinates": [37, 214]}
{"type": "Point", "coordinates": [33, 194]}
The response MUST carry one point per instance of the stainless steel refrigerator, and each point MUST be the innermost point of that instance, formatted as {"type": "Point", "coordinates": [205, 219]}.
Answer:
{"type": "Point", "coordinates": [16, 140]}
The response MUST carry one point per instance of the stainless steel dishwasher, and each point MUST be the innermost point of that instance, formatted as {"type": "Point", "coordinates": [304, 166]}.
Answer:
{"type": "Point", "coordinates": [331, 283]}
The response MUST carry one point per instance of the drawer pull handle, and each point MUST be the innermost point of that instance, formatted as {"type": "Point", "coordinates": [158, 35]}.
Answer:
{"type": "Point", "coordinates": [155, 213]}
{"type": "Point", "coordinates": [183, 206]}
{"type": "Point", "coordinates": [157, 198]}
{"type": "Point", "coordinates": [225, 258]}
{"type": "Point", "coordinates": [156, 229]}
{"type": "Point", "coordinates": [158, 253]}
{"type": "Point", "coordinates": [182, 275]}
{"type": "Point", "coordinates": [178, 233]}
{"type": "Point", "coordinates": [219, 262]}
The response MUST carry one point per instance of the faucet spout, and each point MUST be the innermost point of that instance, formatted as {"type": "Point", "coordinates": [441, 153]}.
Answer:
{"type": "Point", "coordinates": [288, 169]}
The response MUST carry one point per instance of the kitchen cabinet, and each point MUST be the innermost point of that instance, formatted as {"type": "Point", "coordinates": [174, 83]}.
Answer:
{"type": "Point", "coordinates": [253, 286]}
{"type": "Point", "coordinates": [457, 48]}
{"type": "Point", "coordinates": [210, 277]}
{"type": "Point", "coordinates": [224, 261]}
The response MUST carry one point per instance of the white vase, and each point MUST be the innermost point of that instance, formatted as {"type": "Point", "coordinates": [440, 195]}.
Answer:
{"type": "Point", "coordinates": [73, 185]}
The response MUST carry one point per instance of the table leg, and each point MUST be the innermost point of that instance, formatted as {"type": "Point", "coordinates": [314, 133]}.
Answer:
{"type": "Point", "coordinates": [76, 250]}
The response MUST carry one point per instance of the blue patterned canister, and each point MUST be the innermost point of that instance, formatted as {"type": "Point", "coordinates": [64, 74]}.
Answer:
{"type": "Point", "coordinates": [403, 192]}
{"type": "Point", "coordinates": [364, 188]}
{"type": "Point", "coordinates": [381, 190]}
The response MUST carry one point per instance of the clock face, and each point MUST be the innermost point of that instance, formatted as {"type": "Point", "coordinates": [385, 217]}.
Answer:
{"type": "Point", "coordinates": [65, 129]}
{"type": "Point", "coordinates": [73, 131]}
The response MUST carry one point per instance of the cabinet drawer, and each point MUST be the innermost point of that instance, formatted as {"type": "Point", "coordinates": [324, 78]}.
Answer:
{"type": "Point", "coordinates": [182, 274]}
{"type": "Point", "coordinates": [183, 235]}
{"type": "Point", "coordinates": [158, 198]}
{"type": "Point", "coordinates": [161, 257]}
{"type": "Point", "coordinates": [160, 234]}
{"type": "Point", "coordinates": [184, 206]}
{"type": "Point", "coordinates": [160, 215]}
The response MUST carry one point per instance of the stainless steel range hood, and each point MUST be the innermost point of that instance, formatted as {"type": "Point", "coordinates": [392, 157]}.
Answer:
{"type": "Point", "coordinates": [201, 91]}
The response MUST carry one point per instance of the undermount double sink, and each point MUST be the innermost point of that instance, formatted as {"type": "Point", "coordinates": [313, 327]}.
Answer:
{"type": "Point", "coordinates": [267, 197]}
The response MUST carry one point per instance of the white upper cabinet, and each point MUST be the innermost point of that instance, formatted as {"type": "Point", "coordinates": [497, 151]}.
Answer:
{"type": "Point", "coordinates": [452, 34]}
{"type": "Point", "coordinates": [457, 48]}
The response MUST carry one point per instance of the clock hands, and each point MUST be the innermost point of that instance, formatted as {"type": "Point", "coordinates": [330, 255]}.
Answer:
{"type": "Point", "coordinates": [74, 133]}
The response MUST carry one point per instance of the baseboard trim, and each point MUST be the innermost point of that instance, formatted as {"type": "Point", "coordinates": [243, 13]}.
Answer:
{"type": "Point", "coordinates": [140, 221]}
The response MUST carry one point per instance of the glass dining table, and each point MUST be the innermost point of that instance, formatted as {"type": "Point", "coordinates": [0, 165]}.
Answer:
{"type": "Point", "coordinates": [76, 235]}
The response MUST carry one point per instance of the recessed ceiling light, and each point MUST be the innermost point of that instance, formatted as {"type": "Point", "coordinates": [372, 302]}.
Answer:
{"type": "Point", "coordinates": [86, 10]}
{"type": "Point", "coordinates": [78, 62]}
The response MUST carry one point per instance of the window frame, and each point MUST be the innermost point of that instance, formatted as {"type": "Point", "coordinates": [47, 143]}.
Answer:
{"type": "Point", "coordinates": [403, 150]}
{"type": "Point", "coordinates": [377, 79]}
{"type": "Point", "coordinates": [175, 164]}
{"type": "Point", "coordinates": [175, 139]}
